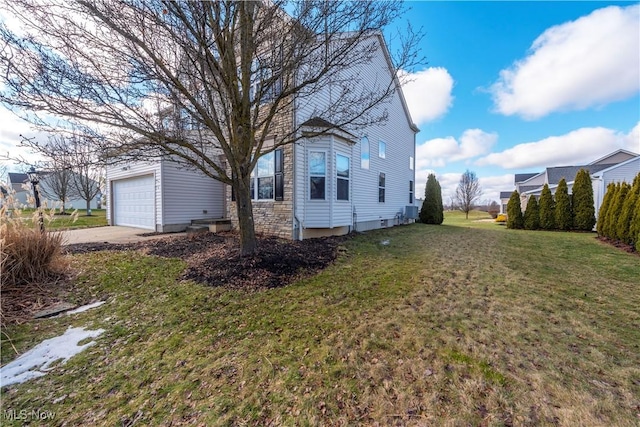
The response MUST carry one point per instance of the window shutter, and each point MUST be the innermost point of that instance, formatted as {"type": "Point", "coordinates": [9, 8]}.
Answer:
{"type": "Point", "coordinates": [279, 174]}
{"type": "Point", "coordinates": [233, 194]}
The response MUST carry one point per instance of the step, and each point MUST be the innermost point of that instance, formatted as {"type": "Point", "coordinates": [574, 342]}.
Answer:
{"type": "Point", "coordinates": [209, 221]}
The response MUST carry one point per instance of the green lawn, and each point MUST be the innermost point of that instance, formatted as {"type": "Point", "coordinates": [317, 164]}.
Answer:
{"type": "Point", "coordinates": [98, 218]}
{"type": "Point", "coordinates": [466, 323]}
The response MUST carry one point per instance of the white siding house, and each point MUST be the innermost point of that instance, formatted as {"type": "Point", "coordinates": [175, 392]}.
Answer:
{"type": "Point", "coordinates": [379, 182]}
{"type": "Point", "coordinates": [622, 172]}
{"type": "Point", "coordinates": [618, 166]}
{"type": "Point", "coordinates": [342, 180]}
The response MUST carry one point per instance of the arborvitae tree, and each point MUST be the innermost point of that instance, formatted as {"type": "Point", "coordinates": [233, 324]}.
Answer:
{"type": "Point", "coordinates": [616, 211]}
{"type": "Point", "coordinates": [546, 207]}
{"type": "Point", "coordinates": [584, 210]}
{"type": "Point", "coordinates": [610, 219]}
{"type": "Point", "coordinates": [563, 216]}
{"type": "Point", "coordinates": [634, 229]}
{"type": "Point", "coordinates": [604, 209]}
{"type": "Point", "coordinates": [532, 214]}
{"type": "Point", "coordinates": [432, 211]}
{"type": "Point", "coordinates": [624, 220]}
{"type": "Point", "coordinates": [514, 212]}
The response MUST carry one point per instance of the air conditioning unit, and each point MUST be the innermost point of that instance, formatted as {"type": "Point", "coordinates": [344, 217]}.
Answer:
{"type": "Point", "coordinates": [411, 212]}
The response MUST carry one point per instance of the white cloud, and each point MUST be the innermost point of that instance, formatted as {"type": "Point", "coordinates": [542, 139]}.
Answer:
{"type": "Point", "coordinates": [428, 93]}
{"type": "Point", "coordinates": [493, 185]}
{"type": "Point", "coordinates": [580, 146]}
{"type": "Point", "coordinates": [12, 127]}
{"type": "Point", "coordinates": [437, 152]}
{"type": "Point", "coordinates": [591, 61]}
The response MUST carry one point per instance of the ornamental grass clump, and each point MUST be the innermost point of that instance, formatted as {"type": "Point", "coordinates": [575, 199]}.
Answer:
{"type": "Point", "coordinates": [27, 254]}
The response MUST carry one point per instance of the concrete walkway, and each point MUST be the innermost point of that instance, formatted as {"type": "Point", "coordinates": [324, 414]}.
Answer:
{"type": "Point", "coordinates": [110, 234]}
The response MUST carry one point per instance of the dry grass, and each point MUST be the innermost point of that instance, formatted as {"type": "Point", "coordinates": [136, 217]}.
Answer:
{"type": "Point", "coordinates": [29, 258]}
{"type": "Point", "coordinates": [461, 324]}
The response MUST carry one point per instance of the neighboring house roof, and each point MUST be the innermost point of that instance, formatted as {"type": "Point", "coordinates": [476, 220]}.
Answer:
{"type": "Point", "coordinates": [524, 176]}
{"type": "Point", "coordinates": [505, 194]}
{"type": "Point", "coordinates": [18, 178]}
{"type": "Point", "coordinates": [599, 173]}
{"type": "Point", "coordinates": [554, 175]}
{"type": "Point", "coordinates": [613, 154]}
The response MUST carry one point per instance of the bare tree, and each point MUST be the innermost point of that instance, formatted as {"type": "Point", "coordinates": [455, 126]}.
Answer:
{"type": "Point", "coordinates": [468, 191]}
{"type": "Point", "coordinates": [57, 185]}
{"type": "Point", "coordinates": [72, 153]}
{"type": "Point", "coordinates": [197, 82]}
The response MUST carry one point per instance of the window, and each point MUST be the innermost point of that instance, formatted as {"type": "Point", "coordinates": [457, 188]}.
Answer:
{"type": "Point", "coordinates": [381, 187]}
{"type": "Point", "coordinates": [382, 150]}
{"type": "Point", "coordinates": [364, 153]}
{"type": "Point", "coordinates": [317, 174]}
{"type": "Point", "coordinates": [410, 192]}
{"type": "Point", "coordinates": [411, 164]}
{"type": "Point", "coordinates": [342, 172]}
{"type": "Point", "coordinates": [265, 172]}
{"type": "Point", "coordinates": [267, 178]}
{"type": "Point", "coordinates": [266, 76]}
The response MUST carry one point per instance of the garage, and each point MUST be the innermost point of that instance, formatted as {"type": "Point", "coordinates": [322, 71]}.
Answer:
{"type": "Point", "coordinates": [134, 202]}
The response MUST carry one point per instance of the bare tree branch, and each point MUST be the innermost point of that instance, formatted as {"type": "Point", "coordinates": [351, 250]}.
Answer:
{"type": "Point", "coordinates": [194, 82]}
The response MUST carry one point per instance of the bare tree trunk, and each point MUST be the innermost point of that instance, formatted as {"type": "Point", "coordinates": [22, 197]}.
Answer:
{"type": "Point", "coordinates": [88, 207]}
{"type": "Point", "coordinates": [244, 209]}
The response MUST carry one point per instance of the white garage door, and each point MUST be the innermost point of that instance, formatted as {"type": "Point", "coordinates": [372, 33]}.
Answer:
{"type": "Point", "coordinates": [134, 202]}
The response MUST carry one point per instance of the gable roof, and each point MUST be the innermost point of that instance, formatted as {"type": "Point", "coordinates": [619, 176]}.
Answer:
{"type": "Point", "coordinates": [621, 151]}
{"type": "Point", "coordinates": [519, 177]}
{"type": "Point", "coordinates": [18, 178]}
{"type": "Point", "coordinates": [554, 175]}
{"type": "Point", "coordinates": [387, 56]}
{"type": "Point", "coordinates": [611, 167]}
{"type": "Point", "coordinates": [505, 194]}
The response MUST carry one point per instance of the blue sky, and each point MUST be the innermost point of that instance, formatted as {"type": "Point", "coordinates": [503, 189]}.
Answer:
{"type": "Point", "coordinates": [510, 87]}
{"type": "Point", "coordinates": [514, 87]}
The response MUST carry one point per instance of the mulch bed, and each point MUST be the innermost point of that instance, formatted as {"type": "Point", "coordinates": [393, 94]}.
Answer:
{"type": "Point", "coordinates": [214, 259]}
{"type": "Point", "coordinates": [618, 244]}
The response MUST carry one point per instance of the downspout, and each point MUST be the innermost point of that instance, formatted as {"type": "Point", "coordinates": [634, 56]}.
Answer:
{"type": "Point", "coordinates": [162, 198]}
{"type": "Point", "coordinates": [297, 227]}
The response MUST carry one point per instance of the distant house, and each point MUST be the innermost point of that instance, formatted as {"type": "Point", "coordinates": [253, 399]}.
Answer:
{"type": "Point", "coordinates": [618, 166]}
{"type": "Point", "coordinates": [330, 182]}
{"type": "Point", "coordinates": [20, 184]}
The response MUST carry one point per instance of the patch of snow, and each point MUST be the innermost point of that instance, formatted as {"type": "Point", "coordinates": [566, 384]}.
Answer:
{"type": "Point", "coordinates": [34, 363]}
{"type": "Point", "coordinates": [385, 242]}
{"type": "Point", "coordinates": [86, 307]}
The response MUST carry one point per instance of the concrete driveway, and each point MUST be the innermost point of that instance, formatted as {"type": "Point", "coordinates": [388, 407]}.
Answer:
{"type": "Point", "coordinates": [109, 234]}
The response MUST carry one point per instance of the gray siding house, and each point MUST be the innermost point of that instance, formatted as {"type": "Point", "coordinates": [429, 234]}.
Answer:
{"type": "Point", "coordinates": [618, 166]}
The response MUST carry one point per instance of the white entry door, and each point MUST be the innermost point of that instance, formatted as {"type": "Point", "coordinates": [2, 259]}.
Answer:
{"type": "Point", "coordinates": [134, 202]}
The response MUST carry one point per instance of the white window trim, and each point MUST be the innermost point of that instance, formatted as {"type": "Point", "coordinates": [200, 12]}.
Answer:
{"type": "Point", "coordinates": [326, 168]}
{"type": "Point", "coordinates": [385, 187]}
{"type": "Point", "coordinates": [254, 178]}
{"type": "Point", "coordinates": [348, 179]}
{"type": "Point", "coordinates": [382, 153]}
{"type": "Point", "coordinates": [364, 140]}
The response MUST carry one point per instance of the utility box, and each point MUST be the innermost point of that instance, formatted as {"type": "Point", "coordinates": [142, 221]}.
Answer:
{"type": "Point", "coordinates": [411, 212]}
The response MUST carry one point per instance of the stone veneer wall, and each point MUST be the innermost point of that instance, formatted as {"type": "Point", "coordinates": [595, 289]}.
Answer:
{"type": "Point", "coordinates": [271, 217]}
